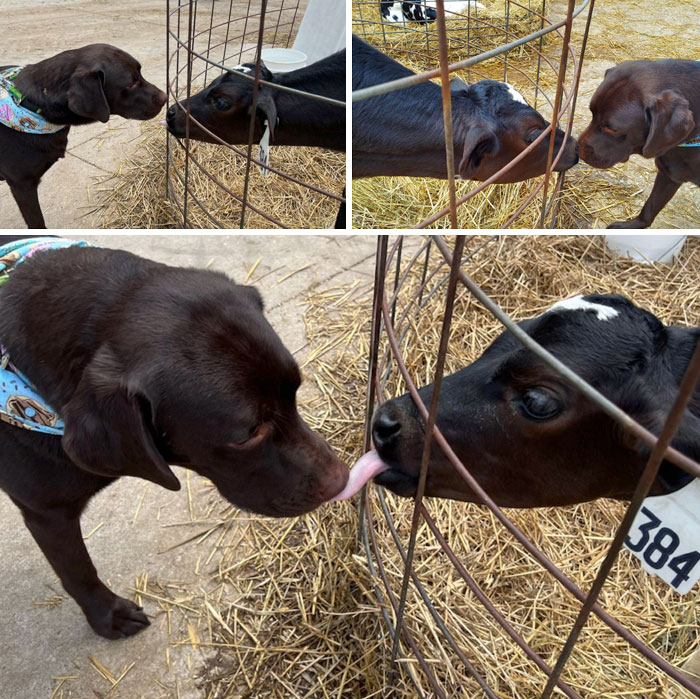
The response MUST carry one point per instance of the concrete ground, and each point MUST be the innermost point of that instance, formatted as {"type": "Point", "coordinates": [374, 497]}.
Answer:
{"type": "Point", "coordinates": [46, 645]}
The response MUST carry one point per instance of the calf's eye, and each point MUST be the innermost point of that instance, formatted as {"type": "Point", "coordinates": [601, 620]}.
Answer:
{"type": "Point", "coordinates": [539, 404]}
{"type": "Point", "coordinates": [222, 103]}
{"type": "Point", "coordinates": [532, 135]}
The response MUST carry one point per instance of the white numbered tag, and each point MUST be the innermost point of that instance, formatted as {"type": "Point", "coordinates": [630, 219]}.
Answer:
{"type": "Point", "coordinates": [264, 150]}
{"type": "Point", "coordinates": [665, 537]}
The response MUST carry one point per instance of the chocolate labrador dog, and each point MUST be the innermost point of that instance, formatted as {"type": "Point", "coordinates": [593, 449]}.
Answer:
{"type": "Point", "coordinates": [148, 365]}
{"type": "Point", "coordinates": [525, 434]}
{"type": "Point", "coordinates": [75, 87]}
{"type": "Point", "coordinates": [652, 109]}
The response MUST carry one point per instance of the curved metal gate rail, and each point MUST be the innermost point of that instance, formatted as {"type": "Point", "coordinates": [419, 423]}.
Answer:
{"type": "Point", "coordinates": [563, 105]}
{"type": "Point", "coordinates": [242, 41]}
{"type": "Point", "coordinates": [384, 319]}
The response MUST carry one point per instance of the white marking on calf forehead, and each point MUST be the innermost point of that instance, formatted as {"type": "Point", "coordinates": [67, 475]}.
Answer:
{"type": "Point", "coordinates": [514, 94]}
{"type": "Point", "coordinates": [243, 69]}
{"type": "Point", "coordinates": [578, 303]}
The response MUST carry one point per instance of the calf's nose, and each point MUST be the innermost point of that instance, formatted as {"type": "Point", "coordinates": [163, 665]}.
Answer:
{"type": "Point", "coordinates": [385, 430]}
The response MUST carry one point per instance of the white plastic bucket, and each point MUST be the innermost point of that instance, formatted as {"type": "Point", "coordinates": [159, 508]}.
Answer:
{"type": "Point", "coordinates": [647, 248]}
{"type": "Point", "coordinates": [283, 60]}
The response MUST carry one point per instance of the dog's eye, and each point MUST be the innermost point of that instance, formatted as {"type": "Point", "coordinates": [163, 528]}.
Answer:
{"type": "Point", "coordinates": [258, 435]}
{"type": "Point", "coordinates": [609, 129]}
{"type": "Point", "coordinates": [222, 104]}
{"type": "Point", "coordinates": [539, 404]}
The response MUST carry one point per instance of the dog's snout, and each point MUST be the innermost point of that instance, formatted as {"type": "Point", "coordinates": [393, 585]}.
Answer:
{"type": "Point", "coordinates": [385, 429]}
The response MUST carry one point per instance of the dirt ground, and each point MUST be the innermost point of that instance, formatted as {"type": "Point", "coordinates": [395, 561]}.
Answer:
{"type": "Point", "coordinates": [136, 529]}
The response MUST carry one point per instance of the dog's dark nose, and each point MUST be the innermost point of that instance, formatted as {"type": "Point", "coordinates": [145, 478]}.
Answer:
{"type": "Point", "coordinates": [385, 430]}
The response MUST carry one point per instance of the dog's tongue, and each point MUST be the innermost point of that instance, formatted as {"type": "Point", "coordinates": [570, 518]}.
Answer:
{"type": "Point", "coordinates": [366, 468]}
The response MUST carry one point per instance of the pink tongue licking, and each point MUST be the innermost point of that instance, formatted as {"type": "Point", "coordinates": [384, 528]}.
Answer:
{"type": "Point", "coordinates": [366, 468]}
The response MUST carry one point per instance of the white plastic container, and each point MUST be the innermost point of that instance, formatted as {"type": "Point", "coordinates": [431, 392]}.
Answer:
{"type": "Point", "coordinates": [647, 248]}
{"type": "Point", "coordinates": [283, 60]}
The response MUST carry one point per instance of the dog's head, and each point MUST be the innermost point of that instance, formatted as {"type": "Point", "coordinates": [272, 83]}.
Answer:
{"type": "Point", "coordinates": [505, 126]}
{"type": "Point", "coordinates": [636, 111]}
{"type": "Point", "coordinates": [105, 80]}
{"type": "Point", "coordinates": [194, 375]}
{"type": "Point", "coordinates": [525, 434]}
{"type": "Point", "coordinates": [224, 107]}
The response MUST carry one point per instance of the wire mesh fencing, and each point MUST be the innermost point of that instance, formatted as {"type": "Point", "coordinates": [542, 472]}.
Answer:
{"type": "Point", "coordinates": [411, 558]}
{"type": "Point", "coordinates": [232, 183]}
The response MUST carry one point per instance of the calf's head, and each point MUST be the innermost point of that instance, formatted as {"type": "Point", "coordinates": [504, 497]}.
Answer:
{"type": "Point", "coordinates": [224, 107]}
{"type": "Point", "coordinates": [504, 126]}
{"type": "Point", "coordinates": [199, 378]}
{"type": "Point", "coordinates": [635, 111]}
{"type": "Point", "coordinates": [525, 434]}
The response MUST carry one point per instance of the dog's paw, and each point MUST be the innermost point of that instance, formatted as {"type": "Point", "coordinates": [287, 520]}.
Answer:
{"type": "Point", "coordinates": [118, 618]}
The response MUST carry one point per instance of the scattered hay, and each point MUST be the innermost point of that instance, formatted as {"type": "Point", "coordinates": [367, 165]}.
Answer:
{"type": "Point", "coordinates": [589, 198]}
{"type": "Point", "coordinates": [289, 610]}
{"type": "Point", "coordinates": [135, 195]}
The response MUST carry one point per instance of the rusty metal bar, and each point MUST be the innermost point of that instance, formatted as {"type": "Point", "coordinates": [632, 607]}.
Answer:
{"type": "Point", "coordinates": [447, 111]}
{"type": "Point", "coordinates": [432, 416]}
{"type": "Point", "coordinates": [253, 110]}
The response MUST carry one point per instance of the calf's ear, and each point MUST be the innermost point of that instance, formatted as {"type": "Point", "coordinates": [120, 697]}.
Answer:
{"type": "Point", "coordinates": [107, 425]}
{"type": "Point", "coordinates": [266, 105]}
{"type": "Point", "coordinates": [86, 96]}
{"type": "Point", "coordinates": [480, 143]}
{"type": "Point", "coordinates": [457, 84]}
{"type": "Point", "coordinates": [670, 122]}
{"type": "Point", "coordinates": [651, 410]}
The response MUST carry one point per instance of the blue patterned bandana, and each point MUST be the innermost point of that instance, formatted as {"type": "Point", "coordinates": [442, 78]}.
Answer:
{"type": "Point", "coordinates": [15, 116]}
{"type": "Point", "coordinates": [20, 404]}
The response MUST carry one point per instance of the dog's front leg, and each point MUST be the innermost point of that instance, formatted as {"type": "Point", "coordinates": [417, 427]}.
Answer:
{"type": "Point", "coordinates": [27, 197]}
{"type": "Point", "coordinates": [58, 534]}
{"type": "Point", "coordinates": [661, 193]}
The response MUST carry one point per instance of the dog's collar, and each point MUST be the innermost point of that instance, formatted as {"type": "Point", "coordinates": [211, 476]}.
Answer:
{"type": "Point", "coordinates": [692, 143]}
{"type": "Point", "coordinates": [20, 404]}
{"type": "Point", "coordinates": [19, 113]}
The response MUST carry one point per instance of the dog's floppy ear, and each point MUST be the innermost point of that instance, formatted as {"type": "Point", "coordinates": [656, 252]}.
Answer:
{"type": "Point", "coordinates": [86, 95]}
{"type": "Point", "coordinates": [670, 122]}
{"type": "Point", "coordinates": [107, 425]}
{"type": "Point", "coordinates": [481, 142]}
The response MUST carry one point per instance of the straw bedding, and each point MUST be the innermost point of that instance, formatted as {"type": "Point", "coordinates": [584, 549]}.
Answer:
{"type": "Point", "coordinates": [289, 609]}
{"type": "Point", "coordinates": [135, 196]}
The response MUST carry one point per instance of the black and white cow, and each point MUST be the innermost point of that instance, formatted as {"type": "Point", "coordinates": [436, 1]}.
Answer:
{"type": "Point", "coordinates": [424, 12]}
